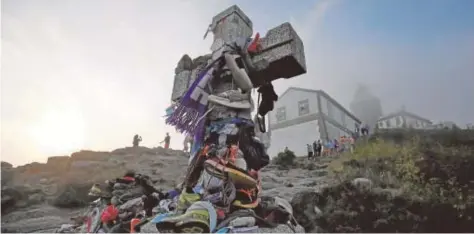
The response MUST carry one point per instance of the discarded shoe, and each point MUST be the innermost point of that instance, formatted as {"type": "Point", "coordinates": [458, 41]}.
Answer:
{"type": "Point", "coordinates": [238, 177]}
{"type": "Point", "coordinates": [194, 220]}
{"type": "Point", "coordinates": [95, 191]}
{"type": "Point", "coordinates": [185, 200]}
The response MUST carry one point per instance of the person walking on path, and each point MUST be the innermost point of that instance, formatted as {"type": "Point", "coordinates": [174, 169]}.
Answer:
{"type": "Point", "coordinates": [167, 141]}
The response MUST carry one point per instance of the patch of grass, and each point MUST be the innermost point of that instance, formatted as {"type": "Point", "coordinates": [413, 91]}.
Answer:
{"type": "Point", "coordinates": [430, 172]}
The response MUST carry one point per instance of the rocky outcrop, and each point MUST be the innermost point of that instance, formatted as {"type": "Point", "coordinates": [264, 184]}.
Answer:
{"type": "Point", "coordinates": [6, 165]}
{"type": "Point", "coordinates": [7, 173]}
{"type": "Point", "coordinates": [14, 197]}
{"type": "Point", "coordinates": [164, 166]}
{"type": "Point", "coordinates": [87, 155]}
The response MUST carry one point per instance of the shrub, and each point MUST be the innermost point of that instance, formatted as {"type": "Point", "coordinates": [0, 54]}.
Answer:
{"type": "Point", "coordinates": [285, 159]}
{"type": "Point", "coordinates": [429, 173]}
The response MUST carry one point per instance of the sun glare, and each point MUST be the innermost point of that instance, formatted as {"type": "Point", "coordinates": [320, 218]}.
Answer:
{"type": "Point", "coordinates": [59, 132]}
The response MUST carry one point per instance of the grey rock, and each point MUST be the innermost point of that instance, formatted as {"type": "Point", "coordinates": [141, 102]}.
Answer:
{"type": "Point", "coordinates": [181, 84]}
{"type": "Point", "coordinates": [282, 228]}
{"type": "Point", "coordinates": [232, 23]}
{"type": "Point", "coordinates": [185, 63]}
{"type": "Point", "coordinates": [35, 198]}
{"type": "Point", "coordinates": [6, 165]}
{"type": "Point", "coordinates": [201, 60]}
{"type": "Point", "coordinates": [131, 203]}
{"type": "Point", "coordinates": [306, 209]}
{"type": "Point", "coordinates": [281, 48]}
{"type": "Point", "coordinates": [362, 183]}
{"type": "Point", "coordinates": [66, 228]}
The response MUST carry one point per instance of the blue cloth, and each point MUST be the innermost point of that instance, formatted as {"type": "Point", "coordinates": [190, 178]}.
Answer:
{"type": "Point", "coordinates": [169, 110]}
{"type": "Point", "coordinates": [329, 145]}
{"type": "Point", "coordinates": [172, 193]}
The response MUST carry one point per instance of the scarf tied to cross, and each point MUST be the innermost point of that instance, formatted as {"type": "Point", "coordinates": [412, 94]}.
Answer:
{"type": "Point", "coordinates": [188, 115]}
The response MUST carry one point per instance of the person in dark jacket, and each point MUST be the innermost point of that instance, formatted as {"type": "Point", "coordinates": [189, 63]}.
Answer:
{"type": "Point", "coordinates": [136, 140]}
{"type": "Point", "coordinates": [317, 148]}
{"type": "Point", "coordinates": [167, 141]}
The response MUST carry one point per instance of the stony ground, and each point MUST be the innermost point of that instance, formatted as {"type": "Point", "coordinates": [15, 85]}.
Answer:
{"type": "Point", "coordinates": [36, 213]}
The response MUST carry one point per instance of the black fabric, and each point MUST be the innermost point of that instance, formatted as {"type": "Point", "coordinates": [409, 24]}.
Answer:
{"type": "Point", "coordinates": [149, 202]}
{"type": "Point", "coordinates": [268, 98]}
{"type": "Point", "coordinates": [254, 151]}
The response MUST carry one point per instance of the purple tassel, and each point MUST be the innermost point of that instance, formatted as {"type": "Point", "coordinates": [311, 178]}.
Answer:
{"type": "Point", "coordinates": [187, 116]}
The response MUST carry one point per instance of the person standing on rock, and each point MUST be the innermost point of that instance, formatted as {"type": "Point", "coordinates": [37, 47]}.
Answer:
{"type": "Point", "coordinates": [167, 141]}
{"type": "Point", "coordinates": [136, 140]}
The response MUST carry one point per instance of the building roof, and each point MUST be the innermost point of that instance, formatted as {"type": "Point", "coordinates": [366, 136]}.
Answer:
{"type": "Point", "coordinates": [322, 93]}
{"type": "Point", "coordinates": [404, 113]}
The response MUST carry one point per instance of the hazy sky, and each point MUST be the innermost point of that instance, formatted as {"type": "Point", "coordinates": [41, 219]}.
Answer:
{"type": "Point", "coordinates": [90, 74]}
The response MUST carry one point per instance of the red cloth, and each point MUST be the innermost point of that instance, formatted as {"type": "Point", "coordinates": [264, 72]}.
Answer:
{"type": "Point", "coordinates": [128, 178]}
{"type": "Point", "coordinates": [255, 44]}
{"type": "Point", "coordinates": [167, 145]}
{"type": "Point", "coordinates": [110, 214]}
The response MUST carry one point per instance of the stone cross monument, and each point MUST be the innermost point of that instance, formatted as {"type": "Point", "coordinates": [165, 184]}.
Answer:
{"type": "Point", "coordinates": [212, 102]}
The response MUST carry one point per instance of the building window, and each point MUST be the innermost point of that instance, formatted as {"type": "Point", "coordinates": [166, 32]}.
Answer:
{"type": "Point", "coordinates": [398, 120]}
{"type": "Point", "coordinates": [330, 110]}
{"type": "Point", "coordinates": [380, 124]}
{"type": "Point", "coordinates": [303, 107]}
{"type": "Point", "coordinates": [343, 119]}
{"type": "Point", "coordinates": [387, 122]}
{"type": "Point", "coordinates": [281, 114]}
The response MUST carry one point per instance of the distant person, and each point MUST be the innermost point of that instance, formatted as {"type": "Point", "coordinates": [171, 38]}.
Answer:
{"type": "Point", "coordinates": [185, 146]}
{"type": "Point", "coordinates": [286, 149]}
{"type": "Point", "coordinates": [352, 144]}
{"type": "Point", "coordinates": [320, 147]}
{"type": "Point", "coordinates": [315, 149]}
{"type": "Point", "coordinates": [136, 140]}
{"type": "Point", "coordinates": [329, 147]}
{"type": "Point", "coordinates": [167, 141]}
{"type": "Point", "coordinates": [187, 143]}
{"type": "Point", "coordinates": [364, 130]}
{"type": "Point", "coordinates": [342, 142]}
{"type": "Point", "coordinates": [335, 145]}
{"type": "Point", "coordinates": [310, 151]}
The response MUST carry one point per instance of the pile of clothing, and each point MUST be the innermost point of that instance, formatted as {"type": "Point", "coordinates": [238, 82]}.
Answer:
{"type": "Point", "coordinates": [119, 205]}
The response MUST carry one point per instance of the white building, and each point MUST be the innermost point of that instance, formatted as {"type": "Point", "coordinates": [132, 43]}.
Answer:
{"type": "Point", "coordinates": [302, 116]}
{"type": "Point", "coordinates": [403, 119]}
{"type": "Point", "coordinates": [444, 125]}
